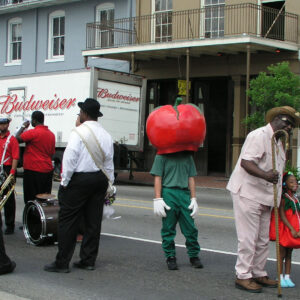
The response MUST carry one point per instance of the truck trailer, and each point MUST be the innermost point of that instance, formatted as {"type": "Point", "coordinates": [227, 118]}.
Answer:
{"type": "Point", "coordinates": [122, 97]}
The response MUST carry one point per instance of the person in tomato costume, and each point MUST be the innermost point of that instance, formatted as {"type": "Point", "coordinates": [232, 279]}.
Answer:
{"type": "Point", "coordinates": [176, 132]}
{"type": "Point", "coordinates": [289, 226]}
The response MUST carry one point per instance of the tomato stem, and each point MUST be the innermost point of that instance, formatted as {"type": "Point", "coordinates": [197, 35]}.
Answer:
{"type": "Point", "coordinates": [177, 102]}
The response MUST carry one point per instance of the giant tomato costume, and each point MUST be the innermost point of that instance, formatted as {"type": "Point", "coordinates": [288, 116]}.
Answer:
{"type": "Point", "coordinates": [176, 128]}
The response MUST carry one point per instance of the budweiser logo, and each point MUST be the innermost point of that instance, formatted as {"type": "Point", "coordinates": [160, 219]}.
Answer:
{"type": "Point", "coordinates": [11, 103]}
{"type": "Point", "coordinates": [105, 93]}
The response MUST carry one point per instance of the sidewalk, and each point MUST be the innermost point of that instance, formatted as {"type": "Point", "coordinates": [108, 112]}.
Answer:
{"type": "Point", "coordinates": [144, 178]}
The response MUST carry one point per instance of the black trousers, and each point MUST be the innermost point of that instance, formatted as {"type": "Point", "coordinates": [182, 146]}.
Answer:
{"type": "Point", "coordinates": [4, 259]}
{"type": "Point", "coordinates": [36, 183]}
{"type": "Point", "coordinates": [82, 198]}
{"type": "Point", "coordinates": [10, 206]}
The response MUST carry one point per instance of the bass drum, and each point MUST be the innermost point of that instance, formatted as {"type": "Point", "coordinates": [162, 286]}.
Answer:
{"type": "Point", "coordinates": [40, 220]}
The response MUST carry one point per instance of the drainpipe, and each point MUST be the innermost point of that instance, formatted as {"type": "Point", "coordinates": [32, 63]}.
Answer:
{"type": "Point", "coordinates": [36, 38]}
{"type": "Point", "coordinates": [247, 83]}
{"type": "Point", "coordinates": [130, 24]}
{"type": "Point", "coordinates": [139, 27]}
{"type": "Point", "coordinates": [187, 75]}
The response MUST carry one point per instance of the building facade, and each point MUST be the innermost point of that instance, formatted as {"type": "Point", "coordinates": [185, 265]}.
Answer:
{"type": "Point", "coordinates": [48, 36]}
{"type": "Point", "coordinates": [41, 60]}
{"type": "Point", "coordinates": [212, 46]}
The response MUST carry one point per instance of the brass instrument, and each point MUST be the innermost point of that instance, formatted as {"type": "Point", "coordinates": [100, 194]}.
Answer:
{"type": "Point", "coordinates": [8, 187]}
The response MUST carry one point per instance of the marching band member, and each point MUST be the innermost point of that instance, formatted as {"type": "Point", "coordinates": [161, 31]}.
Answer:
{"type": "Point", "coordinates": [83, 188]}
{"type": "Point", "coordinates": [37, 158]}
{"type": "Point", "coordinates": [6, 265]}
{"type": "Point", "coordinates": [9, 155]}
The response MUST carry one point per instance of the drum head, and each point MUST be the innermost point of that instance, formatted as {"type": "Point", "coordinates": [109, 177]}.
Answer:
{"type": "Point", "coordinates": [40, 221]}
{"type": "Point", "coordinates": [34, 222]}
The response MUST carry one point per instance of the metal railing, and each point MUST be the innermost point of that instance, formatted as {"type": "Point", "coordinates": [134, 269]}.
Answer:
{"type": "Point", "coordinates": [206, 23]}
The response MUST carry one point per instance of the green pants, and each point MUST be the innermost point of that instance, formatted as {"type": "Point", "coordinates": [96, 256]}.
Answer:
{"type": "Point", "coordinates": [178, 200]}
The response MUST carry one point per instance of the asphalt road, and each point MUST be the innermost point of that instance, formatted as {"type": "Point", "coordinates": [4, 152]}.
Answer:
{"type": "Point", "coordinates": [131, 263]}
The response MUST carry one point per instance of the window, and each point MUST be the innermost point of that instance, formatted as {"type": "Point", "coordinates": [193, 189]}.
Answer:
{"type": "Point", "coordinates": [14, 51]}
{"type": "Point", "coordinates": [105, 15]}
{"type": "Point", "coordinates": [214, 18]}
{"type": "Point", "coordinates": [163, 20]}
{"type": "Point", "coordinates": [56, 43]}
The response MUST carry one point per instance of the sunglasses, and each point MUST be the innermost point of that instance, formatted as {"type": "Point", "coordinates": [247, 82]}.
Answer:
{"type": "Point", "coordinates": [287, 122]}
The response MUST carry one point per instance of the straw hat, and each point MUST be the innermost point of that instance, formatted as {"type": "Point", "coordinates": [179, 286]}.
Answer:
{"type": "Point", "coordinates": [283, 110]}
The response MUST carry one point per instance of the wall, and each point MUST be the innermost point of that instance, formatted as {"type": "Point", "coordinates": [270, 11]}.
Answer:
{"type": "Point", "coordinates": [293, 6]}
{"type": "Point", "coordinates": [35, 29]}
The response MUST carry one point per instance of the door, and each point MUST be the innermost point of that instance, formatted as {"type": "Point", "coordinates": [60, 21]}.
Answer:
{"type": "Point", "coordinates": [272, 24]}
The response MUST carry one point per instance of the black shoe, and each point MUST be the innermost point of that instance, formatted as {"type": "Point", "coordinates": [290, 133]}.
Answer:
{"type": "Point", "coordinates": [8, 268]}
{"type": "Point", "coordinates": [196, 262]}
{"type": "Point", "coordinates": [54, 268]}
{"type": "Point", "coordinates": [171, 262]}
{"type": "Point", "coordinates": [81, 265]}
{"type": "Point", "coordinates": [9, 230]}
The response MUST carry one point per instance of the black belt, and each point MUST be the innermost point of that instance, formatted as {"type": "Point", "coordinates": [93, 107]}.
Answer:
{"type": "Point", "coordinates": [175, 188]}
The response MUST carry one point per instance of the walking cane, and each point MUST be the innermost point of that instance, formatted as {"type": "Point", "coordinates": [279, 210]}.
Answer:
{"type": "Point", "coordinates": [286, 136]}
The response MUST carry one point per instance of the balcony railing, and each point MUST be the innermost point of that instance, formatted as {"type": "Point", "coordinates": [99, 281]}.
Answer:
{"type": "Point", "coordinates": [207, 23]}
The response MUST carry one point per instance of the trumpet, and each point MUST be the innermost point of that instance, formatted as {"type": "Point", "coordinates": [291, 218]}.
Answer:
{"type": "Point", "coordinates": [7, 187]}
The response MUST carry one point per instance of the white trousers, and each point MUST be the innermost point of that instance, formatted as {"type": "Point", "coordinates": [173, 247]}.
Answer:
{"type": "Point", "coordinates": [252, 222]}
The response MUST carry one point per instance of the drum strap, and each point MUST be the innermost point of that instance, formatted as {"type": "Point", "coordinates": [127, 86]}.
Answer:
{"type": "Point", "coordinates": [94, 153]}
{"type": "Point", "coordinates": [4, 152]}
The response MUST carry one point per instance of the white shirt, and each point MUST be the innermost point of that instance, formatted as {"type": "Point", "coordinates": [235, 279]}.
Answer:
{"type": "Point", "coordinates": [77, 158]}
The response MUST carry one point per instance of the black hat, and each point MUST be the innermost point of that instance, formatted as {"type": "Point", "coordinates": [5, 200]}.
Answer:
{"type": "Point", "coordinates": [91, 107]}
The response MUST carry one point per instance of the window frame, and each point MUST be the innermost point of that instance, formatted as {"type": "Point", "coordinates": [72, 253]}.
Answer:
{"type": "Point", "coordinates": [108, 6]}
{"type": "Point", "coordinates": [214, 8]}
{"type": "Point", "coordinates": [51, 57]}
{"type": "Point", "coordinates": [10, 42]}
{"type": "Point", "coordinates": [161, 14]}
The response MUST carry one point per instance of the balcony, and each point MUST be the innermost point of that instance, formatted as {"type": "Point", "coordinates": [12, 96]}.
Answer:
{"type": "Point", "coordinates": [218, 25]}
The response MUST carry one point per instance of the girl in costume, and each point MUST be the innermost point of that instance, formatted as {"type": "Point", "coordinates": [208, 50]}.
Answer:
{"type": "Point", "coordinates": [289, 226]}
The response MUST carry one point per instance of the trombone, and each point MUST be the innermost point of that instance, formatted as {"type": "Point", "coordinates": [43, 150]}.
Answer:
{"type": "Point", "coordinates": [7, 188]}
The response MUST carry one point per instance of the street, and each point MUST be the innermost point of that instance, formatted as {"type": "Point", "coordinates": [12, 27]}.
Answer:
{"type": "Point", "coordinates": [131, 264]}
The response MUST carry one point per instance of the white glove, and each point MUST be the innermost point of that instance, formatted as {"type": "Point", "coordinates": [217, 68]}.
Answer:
{"type": "Point", "coordinates": [159, 206]}
{"type": "Point", "coordinates": [194, 207]}
{"type": "Point", "coordinates": [111, 190]}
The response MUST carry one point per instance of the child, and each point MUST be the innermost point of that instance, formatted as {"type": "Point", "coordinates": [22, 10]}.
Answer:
{"type": "Point", "coordinates": [175, 201]}
{"type": "Point", "coordinates": [289, 225]}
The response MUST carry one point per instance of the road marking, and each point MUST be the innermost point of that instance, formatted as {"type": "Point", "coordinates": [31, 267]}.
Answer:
{"type": "Point", "coordinates": [151, 208]}
{"type": "Point", "coordinates": [179, 245]}
{"type": "Point", "coordinates": [144, 201]}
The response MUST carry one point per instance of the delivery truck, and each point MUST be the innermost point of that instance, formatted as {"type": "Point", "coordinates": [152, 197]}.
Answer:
{"type": "Point", "coordinates": [122, 97]}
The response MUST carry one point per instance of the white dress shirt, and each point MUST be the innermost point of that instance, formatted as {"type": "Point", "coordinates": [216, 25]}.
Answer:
{"type": "Point", "coordinates": [77, 158]}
